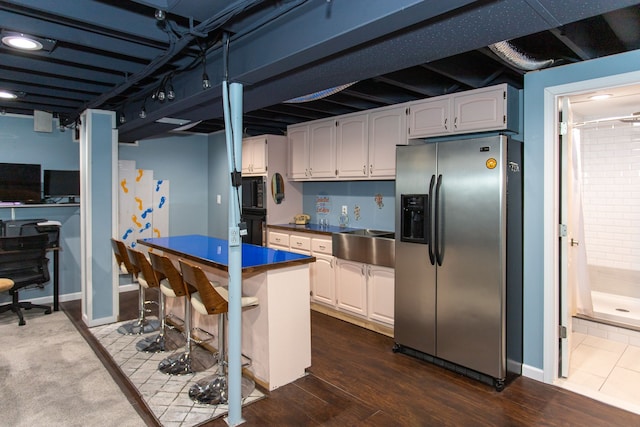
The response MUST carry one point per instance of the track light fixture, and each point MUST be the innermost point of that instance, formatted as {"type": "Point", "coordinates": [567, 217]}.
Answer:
{"type": "Point", "coordinates": [143, 113]}
{"type": "Point", "coordinates": [123, 118]}
{"type": "Point", "coordinates": [206, 83]}
{"type": "Point", "coordinates": [160, 15]}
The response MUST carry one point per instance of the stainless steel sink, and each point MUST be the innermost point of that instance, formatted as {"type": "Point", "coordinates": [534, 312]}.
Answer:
{"type": "Point", "coordinates": [375, 247]}
{"type": "Point", "coordinates": [366, 232]}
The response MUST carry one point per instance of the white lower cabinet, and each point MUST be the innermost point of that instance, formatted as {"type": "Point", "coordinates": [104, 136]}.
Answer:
{"type": "Point", "coordinates": [350, 287]}
{"type": "Point", "coordinates": [381, 290]}
{"type": "Point", "coordinates": [323, 281]}
{"type": "Point", "coordinates": [351, 283]}
{"type": "Point", "coordinates": [366, 290]}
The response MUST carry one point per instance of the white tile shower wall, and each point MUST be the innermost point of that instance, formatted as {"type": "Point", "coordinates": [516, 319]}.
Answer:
{"type": "Point", "coordinates": [609, 332]}
{"type": "Point", "coordinates": [611, 194]}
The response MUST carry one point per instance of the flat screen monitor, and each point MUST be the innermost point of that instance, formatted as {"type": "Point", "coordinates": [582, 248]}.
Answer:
{"type": "Point", "coordinates": [61, 184]}
{"type": "Point", "coordinates": [20, 182]}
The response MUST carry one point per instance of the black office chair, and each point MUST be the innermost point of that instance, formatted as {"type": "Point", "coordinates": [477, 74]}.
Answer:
{"type": "Point", "coordinates": [23, 260]}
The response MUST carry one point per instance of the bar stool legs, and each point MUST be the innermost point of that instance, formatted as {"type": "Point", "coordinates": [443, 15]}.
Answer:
{"type": "Point", "coordinates": [213, 390]}
{"type": "Point", "coordinates": [157, 343]}
{"type": "Point", "coordinates": [180, 363]}
{"type": "Point", "coordinates": [141, 325]}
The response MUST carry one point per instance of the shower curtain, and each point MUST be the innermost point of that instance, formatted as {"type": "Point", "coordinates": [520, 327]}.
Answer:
{"type": "Point", "coordinates": [578, 254]}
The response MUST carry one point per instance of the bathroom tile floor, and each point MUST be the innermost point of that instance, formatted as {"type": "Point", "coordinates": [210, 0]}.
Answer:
{"type": "Point", "coordinates": [605, 364]}
{"type": "Point", "coordinates": [167, 396]}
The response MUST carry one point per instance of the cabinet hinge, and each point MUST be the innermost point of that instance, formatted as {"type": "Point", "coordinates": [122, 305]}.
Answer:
{"type": "Point", "coordinates": [504, 94]}
{"type": "Point", "coordinates": [504, 120]}
{"type": "Point", "coordinates": [562, 331]}
{"type": "Point", "coordinates": [407, 111]}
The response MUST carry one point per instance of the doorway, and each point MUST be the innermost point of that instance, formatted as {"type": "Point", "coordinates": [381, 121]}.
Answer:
{"type": "Point", "coordinates": [598, 269]}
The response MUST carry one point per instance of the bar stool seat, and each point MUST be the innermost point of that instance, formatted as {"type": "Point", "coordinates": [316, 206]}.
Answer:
{"type": "Point", "coordinates": [214, 300]}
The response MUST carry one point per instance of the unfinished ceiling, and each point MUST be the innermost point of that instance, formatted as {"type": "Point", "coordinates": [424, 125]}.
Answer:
{"type": "Point", "coordinates": [127, 56]}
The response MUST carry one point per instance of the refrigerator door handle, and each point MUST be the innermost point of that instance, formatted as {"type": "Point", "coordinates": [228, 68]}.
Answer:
{"type": "Point", "coordinates": [429, 222]}
{"type": "Point", "coordinates": [436, 227]}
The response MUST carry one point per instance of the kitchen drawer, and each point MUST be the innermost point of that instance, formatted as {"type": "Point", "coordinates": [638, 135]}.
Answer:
{"type": "Point", "coordinates": [322, 246]}
{"type": "Point", "coordinates": [300, 243]}
{"type": "Point", "coordinates": [279, 239]}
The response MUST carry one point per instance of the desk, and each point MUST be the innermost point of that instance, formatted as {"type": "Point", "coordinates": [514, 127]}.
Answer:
{"type": "Point", "coordinates": [277, 333]}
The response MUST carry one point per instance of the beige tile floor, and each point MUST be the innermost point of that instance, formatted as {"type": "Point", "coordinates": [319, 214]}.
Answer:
{"type": "Point", "coordinates": [605, 364]}
{"type": "Point", "coordinates": [167, 396]}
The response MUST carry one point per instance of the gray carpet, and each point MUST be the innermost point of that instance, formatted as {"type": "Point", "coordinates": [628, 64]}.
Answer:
{"type": "Point", "coordinates": [49, 376]}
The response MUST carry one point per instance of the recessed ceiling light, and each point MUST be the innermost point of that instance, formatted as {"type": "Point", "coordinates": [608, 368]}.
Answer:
{"type": "Point", "coordinates": [600, 97]}
{"type": "Point", "coordinates": [22, 41]}
{"type": "Point", "coordinates": [5, 94]}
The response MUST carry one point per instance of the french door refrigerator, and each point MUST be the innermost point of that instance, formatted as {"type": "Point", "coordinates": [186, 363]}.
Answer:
{"type": "Point", "coordinates": [458, 271]}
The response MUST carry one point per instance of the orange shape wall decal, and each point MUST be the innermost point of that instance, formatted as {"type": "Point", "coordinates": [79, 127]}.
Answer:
{"type": "Point", "coordinates": [135, 221]}
{"type": "Point", "coordinates": [139, 201]}
{"type": "Point", "coordinates": [123, 184]}
{"type": "Point", "coordinates": [140, 173]}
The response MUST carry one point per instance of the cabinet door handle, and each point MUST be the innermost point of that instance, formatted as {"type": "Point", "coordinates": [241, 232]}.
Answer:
{"type": "Point", "coordinates": [455, 123]}
{"type": "Point", "coordinates": [298, 243]}
{"type": "Point", "coordinates": [364, 169]}
{"type": "Point", "coordinates": [370, 169]}
{"type": "Point", "coordinates": [446, 124]}
{"type": "Point", "coordinates": [323, 247]}
{"type": "Point", "coordinates": [362, 269]}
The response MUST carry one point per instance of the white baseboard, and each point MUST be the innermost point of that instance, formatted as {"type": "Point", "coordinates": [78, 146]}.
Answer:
{"type": "Point", "coordinates": [76, 295]}
{"type": "Point", "coordinates": [533, 373]}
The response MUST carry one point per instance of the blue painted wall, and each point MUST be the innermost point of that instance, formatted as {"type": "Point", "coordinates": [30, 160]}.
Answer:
{"type": "Point", "coordinates": [535, 199]}
{"type": "Point", "coordinates": [374, 201]}
{"type": "Point", "coordinates": [19, 143]}
{"type": "Point", "coordinates": [183, 160]}
{"type": "Point", "coordinates": [219, 181]}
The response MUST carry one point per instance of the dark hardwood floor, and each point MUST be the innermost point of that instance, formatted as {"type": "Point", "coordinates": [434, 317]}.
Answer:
{"type": "Point", "coordinates": [356, 380]}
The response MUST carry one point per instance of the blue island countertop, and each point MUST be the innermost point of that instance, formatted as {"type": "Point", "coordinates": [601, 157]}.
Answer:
{"type": "Point", "coordinates": [215, 252]}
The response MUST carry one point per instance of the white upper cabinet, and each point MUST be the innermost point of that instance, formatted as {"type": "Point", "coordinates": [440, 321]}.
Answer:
{"type": "Point", "coordinates": [312, 150]}
{"type": "Point", "coordinates": [298, 136]}
{"type": "Point", "coordinates": [484, 109]}
{"type": "Point", "coordinates": [254, 156]}
{"type": "Point", "coordinates": [429, 117]}
{"type": "Point", "coordinates": [478, 110]}
{"type": "Point", "coordinates": [386, 130]}
{"type": "Point", "coordinates": [353, 146]}
{"type": "Point", "coordinates": [363, 145]}
{"type": "Point", "coordinates": [322, 149]}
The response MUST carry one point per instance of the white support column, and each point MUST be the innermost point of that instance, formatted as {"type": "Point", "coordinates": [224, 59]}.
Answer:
{"type": "Point", "coordinates": [98, 219]}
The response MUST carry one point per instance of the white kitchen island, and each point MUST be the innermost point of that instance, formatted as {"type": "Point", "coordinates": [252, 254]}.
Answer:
{"type": "Point", "coordinates": [276, 334]}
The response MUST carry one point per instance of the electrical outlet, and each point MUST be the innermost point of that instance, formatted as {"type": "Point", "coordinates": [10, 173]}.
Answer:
{"type": "Point", "coordinates": [218, 199]}
{"type": "Point", "coordinates": [234, 236]}
{"type": "Point", "coordinates": [344, 209]}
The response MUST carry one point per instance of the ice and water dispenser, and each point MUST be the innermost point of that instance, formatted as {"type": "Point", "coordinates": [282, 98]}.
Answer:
{"type": "Point", "coordinates": [414, 218]}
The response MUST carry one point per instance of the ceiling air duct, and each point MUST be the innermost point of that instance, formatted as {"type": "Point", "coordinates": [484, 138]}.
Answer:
{"type": "Point", "coordinates": [318, 95]}
{"type": "Point", "coordinates": [507, 52]}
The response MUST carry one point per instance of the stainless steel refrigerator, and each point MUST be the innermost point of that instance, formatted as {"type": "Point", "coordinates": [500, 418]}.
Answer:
{"type": "Point", "coordinates": [458, 271]}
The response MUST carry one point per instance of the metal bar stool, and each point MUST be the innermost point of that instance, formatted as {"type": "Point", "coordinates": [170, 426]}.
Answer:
{"type": "Point", "coordinates": [147, 279]}
{"type": "Point", "coordinates": [172, 285]}
{"type": "Point", "coordinates": [210, 300]}
{"type": "Point", "coordinates": [141, 325]}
